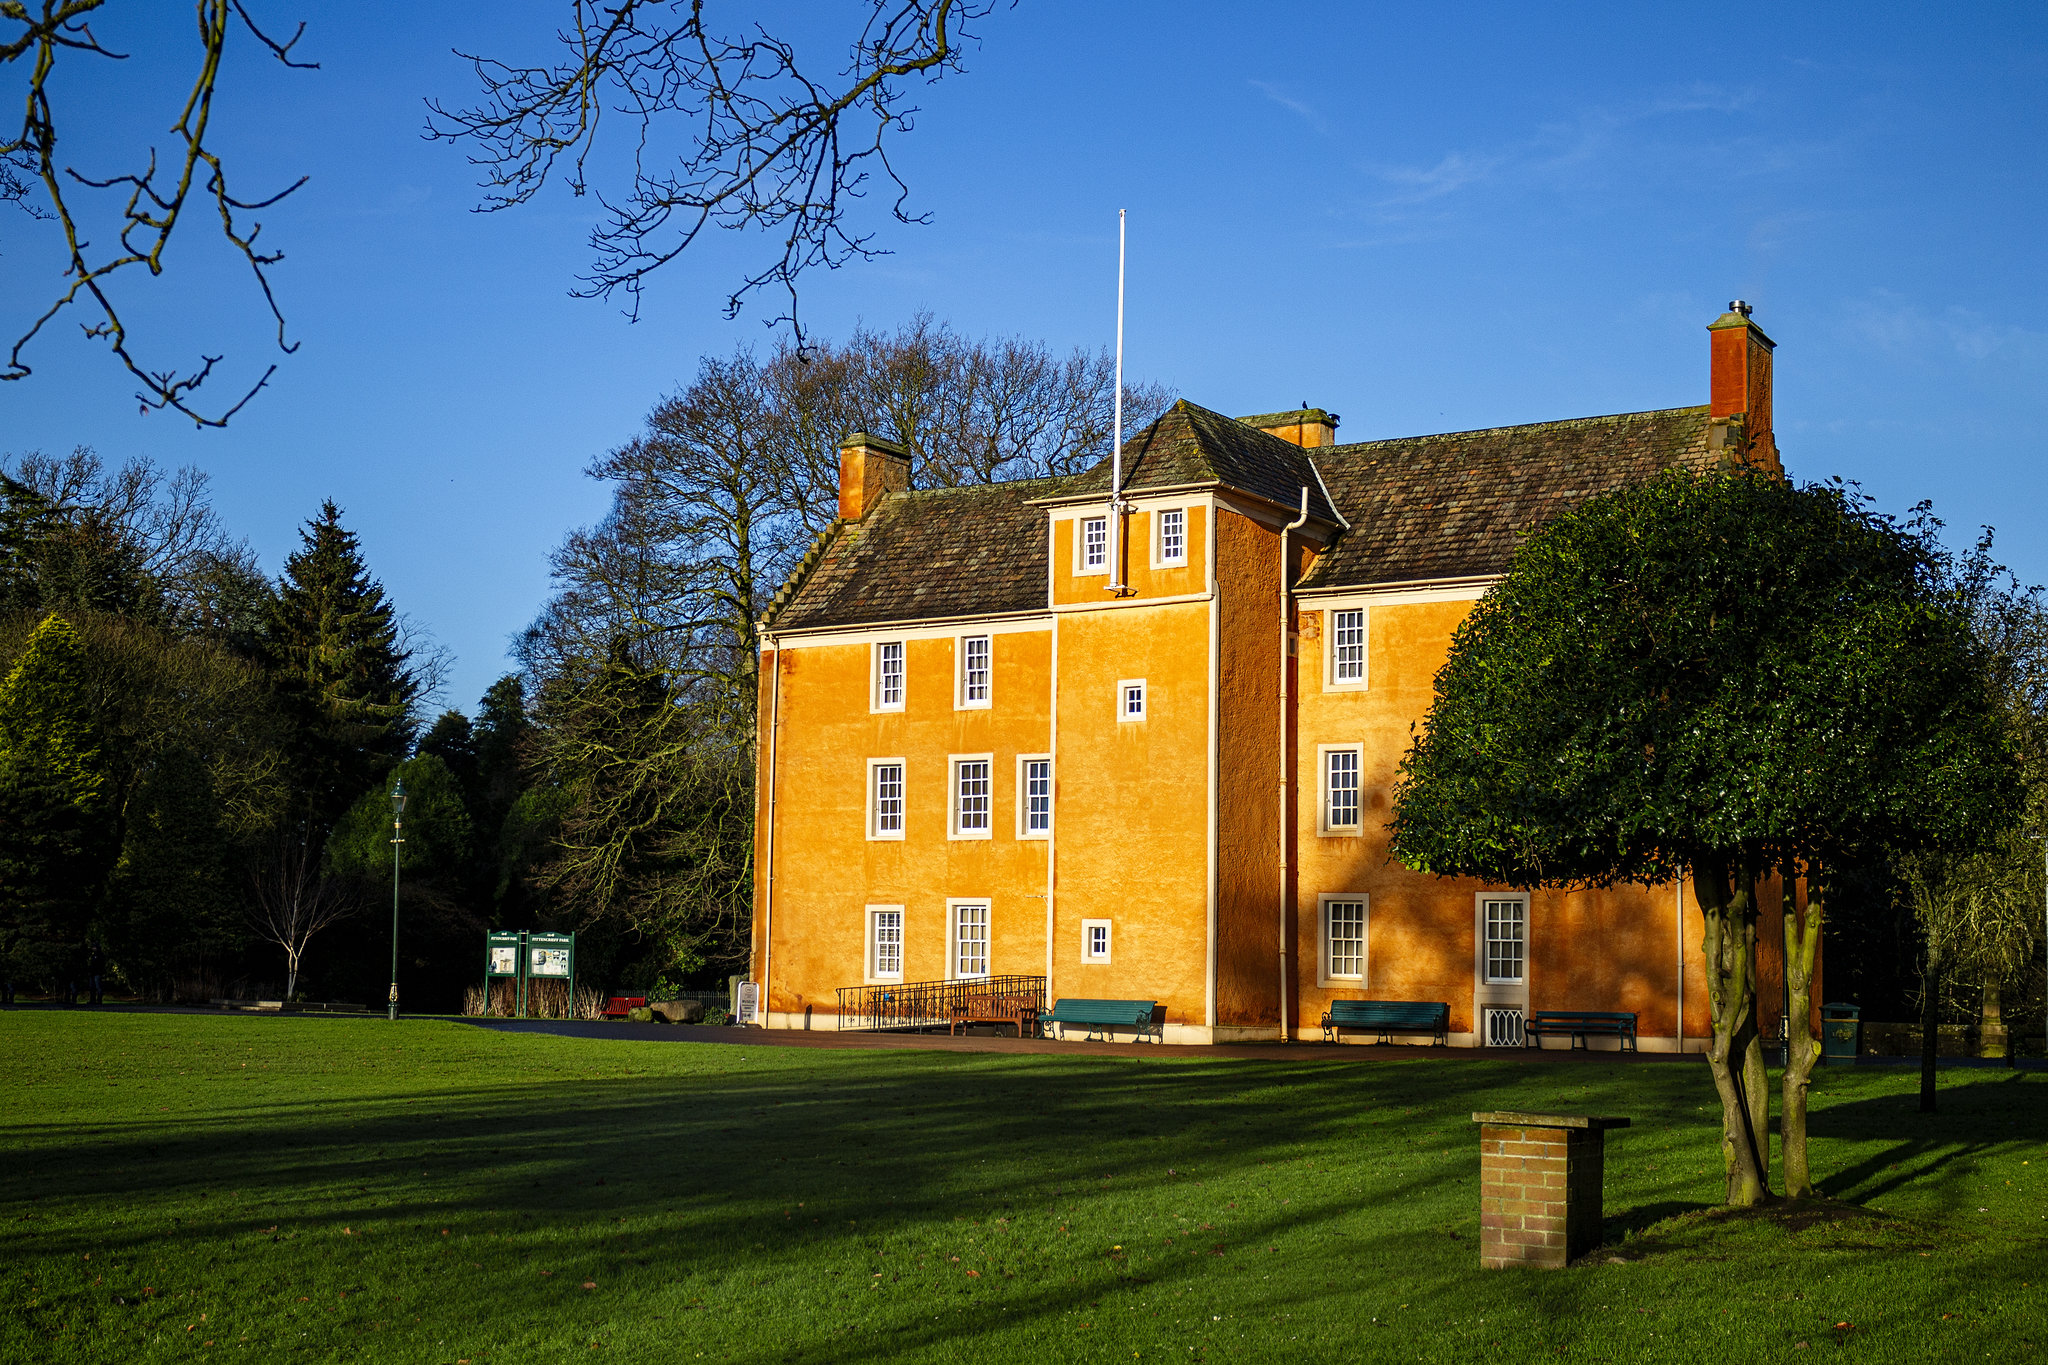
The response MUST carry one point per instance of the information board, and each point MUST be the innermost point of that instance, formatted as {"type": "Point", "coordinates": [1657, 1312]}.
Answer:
{"type": "Point", "coordinates": [501, 954]}
{"type": "Point", "coordinates": [551, 955]}
{"type": "Point", "coordinates": [750, 1001]}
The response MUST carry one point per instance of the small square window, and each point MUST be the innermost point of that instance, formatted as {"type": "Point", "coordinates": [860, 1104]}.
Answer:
{"type": "Point", "coordinates": [1130, 699]}
{"type": "Point", "coordinates": [1095, 940]}
{"type": "Point", "coordinates": [974, 670]}
{"type": "Point", "coordinates": [1094, 543]}
{"type": "Point", "coordinates": [1173, 536]}
{"type": "Point", "coordinates": [889, 676]}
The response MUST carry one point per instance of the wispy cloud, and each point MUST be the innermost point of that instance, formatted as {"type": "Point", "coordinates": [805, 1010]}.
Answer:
{"type": "Point", "coordinates": [1889, 322]}
{"type": "Point", "coordinates": [1286, 101]}
{"type": "Point", "coordinates": [1557, 154]}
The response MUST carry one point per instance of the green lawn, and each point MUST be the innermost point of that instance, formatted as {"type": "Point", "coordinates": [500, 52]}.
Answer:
{"type": "Point", "coordinates": [182, 1187]}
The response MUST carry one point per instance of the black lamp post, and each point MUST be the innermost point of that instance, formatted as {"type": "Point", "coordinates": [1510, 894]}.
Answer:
{"type": "Point", "coordinates": [397, 838]}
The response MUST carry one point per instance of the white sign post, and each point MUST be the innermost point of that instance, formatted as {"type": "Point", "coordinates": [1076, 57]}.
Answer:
{"type": "Point", "coordinates": [750, 1002]}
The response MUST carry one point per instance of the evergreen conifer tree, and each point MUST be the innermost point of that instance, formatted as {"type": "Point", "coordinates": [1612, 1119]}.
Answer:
{"type": "Point", "coordinates": [340, 669]}
{"type": "Point", "coordinates": [52, 806]}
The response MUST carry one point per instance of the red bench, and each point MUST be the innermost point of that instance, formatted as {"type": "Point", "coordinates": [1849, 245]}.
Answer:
{"type": "Point", "coordinates": [618, 1005]}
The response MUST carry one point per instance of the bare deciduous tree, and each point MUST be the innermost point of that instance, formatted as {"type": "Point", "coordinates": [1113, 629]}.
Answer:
{"type": "Point", "coordinates": [645, 658]}
{"type": "Point", "coordinates": [46, 36]}
{"type": "Point", "coordinates": [294, 900]}
{"type": "Point", "coordinates": [768, 141]}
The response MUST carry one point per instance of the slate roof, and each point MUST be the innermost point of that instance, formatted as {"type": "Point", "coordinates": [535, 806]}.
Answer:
{"type": "Point", "coordinates": [1192, 445]}
{"type": "Point", "coordinates": [971, 551]}
{"type": "Point", "coordinates": [1457, 505]}
{"type": "Point", "coordinates": [1420, 507]}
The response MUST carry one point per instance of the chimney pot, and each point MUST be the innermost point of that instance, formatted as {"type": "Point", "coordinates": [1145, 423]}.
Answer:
{"type": "Point", "coordinates": [870, 468]}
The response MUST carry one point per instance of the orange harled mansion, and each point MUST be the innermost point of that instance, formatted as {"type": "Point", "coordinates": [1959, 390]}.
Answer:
{"type": "Point", "coordinates": [1147, 752]}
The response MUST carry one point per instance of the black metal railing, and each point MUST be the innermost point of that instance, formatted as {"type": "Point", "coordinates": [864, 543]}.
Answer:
{"type": "Point", "coordinates": [929, 1004]}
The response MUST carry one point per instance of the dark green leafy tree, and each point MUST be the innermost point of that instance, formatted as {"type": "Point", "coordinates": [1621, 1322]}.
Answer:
{"type": "Point", "coordinates": [341, 668]}
{"type": "Point", "coordinates": [1978, 911]}
{"type": "Point", "coordinates": [652, 832]}
{"type": "Point", "coordinates": [1713, 675]}
{"type": "Point", "coordinates": [503, 735]}
{"type": "Point", "coordinates": [437, 828]}
{"type": "Point", "coordinates": [440, 927]}
{"type": "Point", "coordinates": [53, 806]}
{"type": "Point", "coordinates": [452, 739]}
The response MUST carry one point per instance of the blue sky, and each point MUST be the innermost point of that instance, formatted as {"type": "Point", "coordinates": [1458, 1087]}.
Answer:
{"type": "Point", "coordinates": [1425, 218]}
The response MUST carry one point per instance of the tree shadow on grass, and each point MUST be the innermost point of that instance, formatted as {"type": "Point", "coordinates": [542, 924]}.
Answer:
{"type": "Point", "coordinates": [788, 1170]}
{"type": "Point", "coordinates": [1976, 1119]}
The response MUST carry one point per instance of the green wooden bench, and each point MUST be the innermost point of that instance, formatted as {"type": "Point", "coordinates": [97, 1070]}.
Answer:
{"type": "Point", "coordinates": [1097, 1015]}
{"type": "Point", "coordinates": [1581, 1025]}
{"type": "Point", "coordinates": [1388, 1017]}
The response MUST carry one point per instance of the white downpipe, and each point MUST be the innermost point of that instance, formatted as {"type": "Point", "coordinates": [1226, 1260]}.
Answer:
{"type": "Point", "coordinates": [1116, 431]}
{"type": "Point", "coordinates": [1678, 935]}
{"type": "Point", "coordinates": [768, 907]}
{"type": "Point", "coordinates": [1215, 768]}
{"type": "Point", "coordinates": [1052, 833]}
{"type": "Point", "coordinates": [1286, 706]}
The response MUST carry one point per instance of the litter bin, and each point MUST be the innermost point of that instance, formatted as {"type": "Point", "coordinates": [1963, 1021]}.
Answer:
{"type": "Point", "coordinates": [1840, 1032]}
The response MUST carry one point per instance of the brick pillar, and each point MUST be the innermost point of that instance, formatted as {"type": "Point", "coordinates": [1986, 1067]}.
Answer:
{"type": "Point", "coordinates": [1539, 1187]}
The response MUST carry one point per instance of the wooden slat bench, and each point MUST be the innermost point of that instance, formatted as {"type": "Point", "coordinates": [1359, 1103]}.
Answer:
{"type": "Point", "coordinates": [1580, 1025]}
{"type": "Point", "coordinates": [1098, 1015]}
{"type": "Point", "coordinates": [618, 1006]}
{"type": "Point", "coordinates": [1388, 1017]}
{"type": "Point", "coordinates": [1021, 1010]}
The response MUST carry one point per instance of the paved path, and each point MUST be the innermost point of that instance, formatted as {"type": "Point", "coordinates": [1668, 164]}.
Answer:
{"type": "Point", "coordinates": [940, 1042]}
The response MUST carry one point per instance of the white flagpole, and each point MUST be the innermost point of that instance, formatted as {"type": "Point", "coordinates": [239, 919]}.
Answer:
{"type": "Point", "coordinates": [1116, 438]}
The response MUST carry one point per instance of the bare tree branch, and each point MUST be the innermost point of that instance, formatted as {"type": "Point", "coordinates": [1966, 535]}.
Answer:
{"type": "Point", "coordinates": [294, 900]}
{"type": "Point", "coordinates": [770, 145]}
{"type": "Point", "coordinates": [154, 198]}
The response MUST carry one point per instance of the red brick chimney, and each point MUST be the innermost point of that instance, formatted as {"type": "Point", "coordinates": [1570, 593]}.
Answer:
{"type": "Point", "coordinates": [1739, 390]}
{"type": "Point", "coordinates": [870, 468]}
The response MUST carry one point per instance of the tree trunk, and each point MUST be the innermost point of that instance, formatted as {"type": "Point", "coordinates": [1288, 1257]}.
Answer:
{"type": "Point", "coordinates": [1756, 1079]}
{"type": "Point", "coordinates": [291, 975]}
{"type": "Point", "coordinates": [1802, 1049]}
{"type": "Point", "coordinates": [1930, 1025]}
{"type": "Point", "coordinates": [1730, 918]}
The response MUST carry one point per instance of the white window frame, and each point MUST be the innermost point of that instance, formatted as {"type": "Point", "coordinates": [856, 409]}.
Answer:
{"type": "Point", "coordinates": [954, 905]}
{"type": "Point", "coordinates": [1144, 699]}
{"type": "Point", "coordinates": [1024, 762]}
{"type": "Point", "coordinates": [1324, 975]}
{"type": "Point", "coordinates": [1331, 682]}
{"type": "Point", "coordinates": [1324, 828]}
{"type": "Point", "coordinates": [1485, 964]}
{"type": "Point", "coordinates": [954, 829]}
{"type": "Point", "coordinates": [875, 701]}
{"type": "Point", "coordinates": [1160, 559]}
{"type": "Point", "coordinates": [1081, 525]}
{"type": "Point", "coordinates": [1088, 928]}
{"type": "Point", "coordinates": [874, 815]}
{"type": "Point", "coordinates": [961, 700]}
{"type": "Point", "coordinates": [872, 958]}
